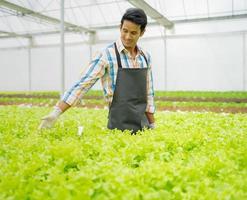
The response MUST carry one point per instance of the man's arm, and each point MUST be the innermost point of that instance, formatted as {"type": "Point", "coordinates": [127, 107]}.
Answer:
{"type": "Point", "coordinates": [150, 95]}
{"type": "Point", "coordinates": [63, 106]}
{"type": "Point", "coordinates": [90, 75]}
{"type": "Point", "coordinates": [150, 109]}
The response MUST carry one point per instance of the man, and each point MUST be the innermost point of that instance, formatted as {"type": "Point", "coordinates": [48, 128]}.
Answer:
{"type": "Point", "coordinates": [125, 72]}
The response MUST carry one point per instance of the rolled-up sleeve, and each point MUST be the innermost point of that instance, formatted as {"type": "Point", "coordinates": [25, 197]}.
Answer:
{"type": "Point", "coordinates": [150, 89]}
{"type": "Point", "coordinates": [88, 78]}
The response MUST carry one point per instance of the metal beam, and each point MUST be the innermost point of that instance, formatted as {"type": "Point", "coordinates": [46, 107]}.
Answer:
{"type": "Point", "coordinates": [151, 12]}
{"type": "Point", "coordinates": [62, 47]}
{"type": "Point", "coordinates": [150, 38]}
{"type": "Point", "coordinates": [31, 34]}
{"type": "Point", "coordinates": [30, 65]}
{"type": "Point", "coordinates": [165, 61]}
{"type": "Point", "coordinates": [241, 16]}
{"type": "Point", "coordinates": [244, 62]}
{"type": "Point", "coordinates": [96, 28]}
{"type": "Point", "coordinates": [7, 34]}
{"type": "Point", "coordinates": [27, 12]}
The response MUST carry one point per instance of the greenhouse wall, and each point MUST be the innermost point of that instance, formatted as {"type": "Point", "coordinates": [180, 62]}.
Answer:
{"type": "Point", "coordinates": [205, 63]}
{"type": "Point", "coordinates": [212, 57]}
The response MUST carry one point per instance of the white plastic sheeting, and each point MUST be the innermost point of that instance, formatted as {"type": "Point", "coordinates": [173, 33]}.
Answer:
{"type": "Point", "coordinates": [204, 62]}
{"type": "Point", "coordinates": [204, 55]}
{"type": "Point", "coordinates": [103, 13]}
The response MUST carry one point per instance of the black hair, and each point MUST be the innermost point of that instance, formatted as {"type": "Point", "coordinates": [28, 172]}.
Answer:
{"type": "Point", "coordinates": [135, 15]}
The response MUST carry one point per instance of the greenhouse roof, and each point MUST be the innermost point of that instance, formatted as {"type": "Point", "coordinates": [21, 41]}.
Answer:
{"type": "Point", "coordinates": [27, 18]}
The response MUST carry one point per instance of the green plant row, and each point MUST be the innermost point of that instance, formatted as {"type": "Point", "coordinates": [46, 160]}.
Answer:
{"type": "Point", "coordinates": [200, 104]}
{"type": "Point", "coordinates": [37, 93]}
{"type": "Point", "coordinates": [174, 94]}
{"type": "Point", "coordinates": [41, 101]}
{"type": "Point", "coordinates": [48, 101]}
{"type": "Point", "coordinates": [188, 156]}
{"type": "Point", "coordinates": [101, 102]}
{"type": "Point", "coordinates": [202, 94]}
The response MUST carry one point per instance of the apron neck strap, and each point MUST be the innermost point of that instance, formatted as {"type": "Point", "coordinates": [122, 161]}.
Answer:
{"type": "Point", "coordinates": [144, 57]}
{"type": "Point", "coordinates": [119, 60]}
{"type": "Point", "coordinates": [118, 56]}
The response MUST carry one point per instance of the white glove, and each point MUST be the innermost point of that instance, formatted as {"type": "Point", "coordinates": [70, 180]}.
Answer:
{"type": "Point", "coordinates": [49, 120]}
{"type": "Point", "coordinates": [151, 126]}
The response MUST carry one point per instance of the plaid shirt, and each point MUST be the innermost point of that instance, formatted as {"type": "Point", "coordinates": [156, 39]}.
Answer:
{"type": "Point", "coordinates": [104, 66]}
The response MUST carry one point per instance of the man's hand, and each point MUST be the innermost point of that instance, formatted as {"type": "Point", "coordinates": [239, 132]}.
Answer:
{"type": "Point", "coordinates": [49, 120]}
{"type": "Point", "coordinates": [150, 117]}
{"type": "Point", "coordinates": [151, 126]}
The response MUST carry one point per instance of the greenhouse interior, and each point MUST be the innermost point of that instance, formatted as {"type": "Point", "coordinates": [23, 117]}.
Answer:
{"type": "Point", "coordinates": [155, 95]}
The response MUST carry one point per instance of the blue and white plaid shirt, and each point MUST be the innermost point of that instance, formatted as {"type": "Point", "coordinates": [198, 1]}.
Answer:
{"type": "Point", "coordinates": [104, 66]}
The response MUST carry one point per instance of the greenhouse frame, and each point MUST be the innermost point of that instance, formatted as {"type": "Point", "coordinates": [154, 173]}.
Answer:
{"type": "Point", "coordinates": [123, 99]}
{"type": "Point", "coordinates": [195, 45]}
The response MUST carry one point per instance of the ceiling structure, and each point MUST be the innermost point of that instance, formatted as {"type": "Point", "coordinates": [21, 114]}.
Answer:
{"type": "Point", "coordinates": [26, 19]}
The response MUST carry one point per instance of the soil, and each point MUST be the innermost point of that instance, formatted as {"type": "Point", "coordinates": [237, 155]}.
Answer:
{"type": "Point", "coordinates": [201, 99]}
{"type": "Point", "coordinates": [160, 108]}
{"type": "Point", "coordinates": [179, 99]}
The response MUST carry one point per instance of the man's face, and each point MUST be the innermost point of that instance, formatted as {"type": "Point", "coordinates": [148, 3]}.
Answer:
{"type": "Point", "coordinates": [130, 33]}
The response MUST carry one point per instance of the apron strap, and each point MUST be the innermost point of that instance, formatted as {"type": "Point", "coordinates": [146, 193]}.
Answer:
{"type": "Point", "coordinates": [119, 60]}
{"type": "Point", "coordinates": [118, 56]}
{"type": "Point", "coordinates": [144, 57]}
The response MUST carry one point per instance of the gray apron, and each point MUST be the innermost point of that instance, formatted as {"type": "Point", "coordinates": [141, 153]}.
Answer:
{"type": "Point", "coordinates": [127, 110]}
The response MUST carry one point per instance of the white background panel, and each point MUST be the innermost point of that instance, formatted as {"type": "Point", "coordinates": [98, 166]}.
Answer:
{"type": "Point", "coordinates": [13, 70]}
{"type": "Point", "coordinates": [205, 63]}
